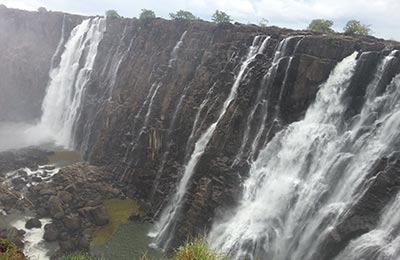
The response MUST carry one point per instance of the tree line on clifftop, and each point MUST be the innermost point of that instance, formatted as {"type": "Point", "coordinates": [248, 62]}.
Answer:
{"type": "Point", "coordinates": [352, 27]}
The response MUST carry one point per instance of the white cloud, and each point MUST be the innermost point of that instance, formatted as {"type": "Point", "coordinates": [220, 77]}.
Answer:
{"type": "Point", "coordinates": [381, 14]}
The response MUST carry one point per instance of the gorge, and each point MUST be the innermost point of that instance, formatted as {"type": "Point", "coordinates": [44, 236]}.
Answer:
{"type": "Point", "coordinates": [274, 143]}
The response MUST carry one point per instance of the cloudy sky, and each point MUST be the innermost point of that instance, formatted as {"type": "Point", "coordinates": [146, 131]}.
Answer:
{"type": "Point", "coordinates": [382, 15]}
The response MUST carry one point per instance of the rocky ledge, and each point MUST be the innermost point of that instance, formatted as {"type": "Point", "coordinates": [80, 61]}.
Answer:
{"type": "Point", "coordinates": [74, 202]}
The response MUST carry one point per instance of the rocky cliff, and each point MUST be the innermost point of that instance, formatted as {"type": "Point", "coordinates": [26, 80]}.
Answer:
{"type": "Point", "coordinates": [162, 85]}
{"type": "Point", "coordinates": [28, 42]}
{"type": "Point", "coordinates": [157, 87]}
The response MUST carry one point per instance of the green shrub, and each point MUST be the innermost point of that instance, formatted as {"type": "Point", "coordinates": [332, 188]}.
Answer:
{"type": "Point", "coordinates": [197, 250]}
{"type": "Point", "coordinates": [147, 14]}
{"type": "Point", "coordinates": [9, 251]}
{"type": "Point", "coordinates": [184, 15]}
{"type": "Point", "coordinates": [263, 23]}
{"type": "Point", "coordinates": [320, 25]}
{"type": "Point", "coordinates": [77, 257]}
{"type": "Point", "coordinates": [112, 14]}
{"type": "Point", "coordinates": [221, 17]}
{"type": "Point", "coordinates": [356, 27]}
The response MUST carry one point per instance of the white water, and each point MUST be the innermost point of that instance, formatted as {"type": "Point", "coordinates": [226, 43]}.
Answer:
{"type": "Point", "coordinates": [148, 105]}
{"type": "Point", "coordinates": [174, 53]}
{"type": "Point", "coordinates": [62, 103]}
{"type": "Point", "coordinates": [308, 174]}
{"type": "Point", "coordinates": [382, 243]}
{"type": "Point", "coordinates": [34, 247]}
{"type": "Point", "coordinates": [165, 226]}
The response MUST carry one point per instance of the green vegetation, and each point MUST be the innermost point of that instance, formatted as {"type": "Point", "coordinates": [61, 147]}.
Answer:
{"type": "Point", "coordinates": [9, 251]}
{"type": "Point", "coordinates": [320, 25]}
{"type": "Point", "coordinates": [196, 250]}
{"type": "Point", "coordinates": [184, 15]}
{"type": "Point", "coordinates": [119, 211]}
{"type": "Point", "coordinates": [263, 23]}
{"type": "Point", "coordinates": [147, 14]}
{"type": "Point", "coordinates": [356, 27]}
{"type": "Point", "coordinates": [112, 14]}
{"type": "Point", "coordinates": [77, 257]}
{"type": "Point", "coordinates": [221, 17]}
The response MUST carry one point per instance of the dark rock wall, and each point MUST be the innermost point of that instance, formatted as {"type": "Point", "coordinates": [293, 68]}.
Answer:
{"type": "Point", "coordinates": [150, 154]}
{"type": "Point", "coordinates": [28, 41]}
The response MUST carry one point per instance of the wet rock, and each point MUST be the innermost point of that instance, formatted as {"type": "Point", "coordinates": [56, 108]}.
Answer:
{"type": "Point", "coordinates": [33, 223]}
{"type": "Point", "coordinates": [65, 196]}
{"type": "Point", "coordinates": [55, 207]}
{"type": "Point", "coordinates": [50, 232]}
{"type": "Point", "coordinates": [99, 215]}
{"type": "Point", "coordinates": [72, 222]}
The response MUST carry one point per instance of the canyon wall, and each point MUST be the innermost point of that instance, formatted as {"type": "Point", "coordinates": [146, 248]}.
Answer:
{"type": "Point", "coordinates": [28, 41]}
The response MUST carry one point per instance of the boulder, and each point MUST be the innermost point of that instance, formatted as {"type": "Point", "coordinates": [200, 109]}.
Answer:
{"type": "Point", "coordinates": [33, 223]}
{"type": "Point", "coordinates": [72, 222]}
{"type": "Point", "coordinates": [50, 232]}
{"type": "Point", "coordinates": [55, 207]}
{"type": "Point", "coordinates": [99, 215]}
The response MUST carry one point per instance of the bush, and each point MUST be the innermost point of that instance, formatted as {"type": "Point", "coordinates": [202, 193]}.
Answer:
{"type": "Point", "coordinates": [356, 27]}
{"type": "Point", "coordinates": [77, 257]}
{"type": "Point", "coordinates": [42, 10]}
{"type": "Point", "coordinates": [320, 25]}
{"type": "Point", "coordinates": [147, 14]}
{"type": "Point", "coordinates": [112, 14]}
{"type": "Point", "coordinates": [263, 23]}
{"type": "Point", "coordinates": [184, 15]}
{"type": "Point", "coordinates": [9, 251]}
{"type": "Point", "coordinates": [221, 17]}
{"type": "Point", "coordinates": [197, 250]}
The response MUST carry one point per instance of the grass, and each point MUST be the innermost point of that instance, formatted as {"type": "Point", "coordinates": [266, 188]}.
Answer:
{"type": "Point", "coordinates": [195, 250]}
{"type": "Point", "coordinates": [119, 211]}
{"type": "Point", "coordinates": [77, 257]}
{"type": "Point", "coordinates": [9, 251]}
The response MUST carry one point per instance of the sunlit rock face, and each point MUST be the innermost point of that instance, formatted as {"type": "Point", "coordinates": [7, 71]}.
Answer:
{"type": "Point", "coordinates": [28, 41]}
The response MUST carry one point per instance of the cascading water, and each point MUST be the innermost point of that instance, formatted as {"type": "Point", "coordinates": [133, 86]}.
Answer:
{"type": "Point", "coordinates": [148, 105]}
{"type": "Point", "coordinates": [61, 105]}
{"type": "Point", "coordinates": [382, 243]}
{"type": "Point", "coordinates": [310, 174]}
{"type": "Point", "coordinates": [166, 225]}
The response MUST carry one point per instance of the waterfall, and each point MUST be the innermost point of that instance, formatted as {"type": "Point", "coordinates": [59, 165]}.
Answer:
{"type": "Point", "coordinates": [62, 102]}
{"type": "Point", "coordinates": [166, 225]}
{"type": "Point", "coordinates": [311, 172]}
{"type": "Point", "coordinates": [148, 106]}
{"type": "Point", "coordinates": [382, 243]}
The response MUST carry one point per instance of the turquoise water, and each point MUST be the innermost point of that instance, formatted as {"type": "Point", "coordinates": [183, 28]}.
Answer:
{"type": "Point", "coordinates": [129, 242]}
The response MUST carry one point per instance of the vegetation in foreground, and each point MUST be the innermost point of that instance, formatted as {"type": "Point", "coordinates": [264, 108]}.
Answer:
{"type": "Point", "coordinates": [77, 257]}
{"type": "Point", "coordinates": [195, 250]}
{"type": "Point", "coordinates": [9, 251]}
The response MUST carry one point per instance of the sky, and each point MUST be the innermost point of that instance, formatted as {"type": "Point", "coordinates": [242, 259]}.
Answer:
{"type": "Point", "coordinates": [382, 15]}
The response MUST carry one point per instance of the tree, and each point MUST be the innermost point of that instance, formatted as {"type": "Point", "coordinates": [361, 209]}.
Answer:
{"type": "Point", "coordinates": [320, 25]}
{"type": "Point", "coordinates": [263, 23]}
{"type": "Point", "coordinates": [147, 14]}
{"type": "Point", "coordinates": [221, 17]}
{"type": "Point", "coordinates": [112, 14]}
{"type": "Point", "coordinates": [184, 15]}
{"type": "Point", "coordinates": [42, 10]}
{"type": "Point", "coordinates": [356, 27]}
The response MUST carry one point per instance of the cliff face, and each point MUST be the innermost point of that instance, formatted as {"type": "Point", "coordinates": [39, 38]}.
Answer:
{"type": "Point", "coordinates": [28, 41]}
{"type": "Point", "coordinates": [163, 84]}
